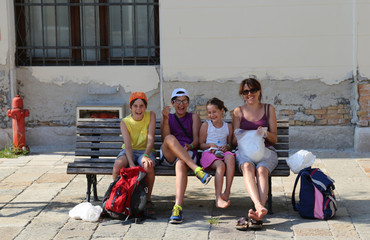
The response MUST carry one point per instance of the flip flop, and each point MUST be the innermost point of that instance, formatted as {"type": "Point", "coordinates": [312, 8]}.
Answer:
{"type": "Point", "coordinates": [255, 225]}
{"type": "Point", "coordinates": [243, 224]}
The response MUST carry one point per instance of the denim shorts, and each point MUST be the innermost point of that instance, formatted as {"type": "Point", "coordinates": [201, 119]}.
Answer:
{"type": "Point", "coordinates": [192, 154]}
{"type": "Point", "coordinates": [138, 155]}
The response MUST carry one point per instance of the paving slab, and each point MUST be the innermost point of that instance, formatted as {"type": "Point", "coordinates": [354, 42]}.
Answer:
{"type": "Point", "coordinates": [36, 195]}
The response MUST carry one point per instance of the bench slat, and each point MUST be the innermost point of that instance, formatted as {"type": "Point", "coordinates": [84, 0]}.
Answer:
{"type": "Point", "coordinates": [98, 131]}
{"type": "Point", "coordinates": [110, 145]}
{"type": "Point", "coordinates": [101, 138]}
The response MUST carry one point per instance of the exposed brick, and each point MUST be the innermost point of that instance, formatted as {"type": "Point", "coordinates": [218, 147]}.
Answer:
{"type": "Point", "coordinates": [332, 107]}
{"type": "Point", "coordinates": [367, 117]}
{"type": "Point", "coordinates": [321, 122]}
{"type": "Point", "coordinates": [315, 111]}
{"type": "Point", "coordinates": [333, 111]}
{"type": "Point", "coordinates": [299, 123]}
{"type": "Point", "coordinates": [364, 87]}
{"type": "Point", "coordinates": [362, 113]}
{"type": "Point", "coordinates": [347, 116]}
{"type": "Point", "coordinates": [333, 116]}
{"type": "Point", "coordinates": [318, 116]}
{"type": "Point", "coordinates": [286, 112]}
{"type": "Point", "coordinates": [333, 121]}
{"type": "Point", "coordinates": [343, 110]}
{"type": "Point", "coordinates": [364, 98]}
{"type": "Point", "coordinates": [343, 121]}
{"type": "Point", "coordinates": [363, 123]}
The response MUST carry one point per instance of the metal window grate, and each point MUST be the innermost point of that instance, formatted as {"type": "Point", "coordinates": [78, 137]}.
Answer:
{"type": "Point", "coordinates": [87, 32]}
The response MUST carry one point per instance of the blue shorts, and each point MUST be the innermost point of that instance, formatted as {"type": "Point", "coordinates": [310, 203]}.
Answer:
{"type": "Point", "coordinates": [268, 162]}
{"type": "Point", "coordinates": [138, 155]}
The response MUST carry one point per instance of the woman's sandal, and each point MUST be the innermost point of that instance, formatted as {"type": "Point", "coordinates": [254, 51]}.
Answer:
{"type": "Point", "coordinates": [243, 224]}
{"type": "Point", "coordinates": [149, 208]}
{"type": "Point", "coordinates": [255, 225]}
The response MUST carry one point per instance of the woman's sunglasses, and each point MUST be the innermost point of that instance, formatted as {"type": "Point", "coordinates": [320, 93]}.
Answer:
{"type": "Point", "coordinates": [252, 91]}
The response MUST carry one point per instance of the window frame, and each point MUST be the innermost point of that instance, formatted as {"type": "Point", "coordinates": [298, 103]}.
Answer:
{"type": "Point", "coordinates": [24, 55]}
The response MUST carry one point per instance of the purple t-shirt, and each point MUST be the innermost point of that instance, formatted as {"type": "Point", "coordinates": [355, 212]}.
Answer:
{"type": "Point", "coordinates": [176, 130]}
{"type": "Point", "coordinates": [253, 125]}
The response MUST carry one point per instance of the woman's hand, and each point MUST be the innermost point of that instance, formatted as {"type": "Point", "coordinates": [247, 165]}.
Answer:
{"type": "Point", "coordinates": [262, 131]}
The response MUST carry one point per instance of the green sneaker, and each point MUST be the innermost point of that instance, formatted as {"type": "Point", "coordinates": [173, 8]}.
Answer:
{"type": "Point", "coordinates": [176, 216]}
{"type": "Point", "coordinates": [202, 176]}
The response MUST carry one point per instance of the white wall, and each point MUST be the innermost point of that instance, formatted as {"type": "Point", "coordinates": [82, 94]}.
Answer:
{"type": "Point", "coordinates": [3, 32]}
{"type": "Point", "coordinates": [363, 37]}
{"type": "Point", "coordinates": [286, 39]}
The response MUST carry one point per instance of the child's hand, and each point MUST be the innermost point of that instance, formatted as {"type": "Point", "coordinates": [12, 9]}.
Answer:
{"type": "Point", "coordinates": [224, 148]}
{"type": "Point", "coordinates": [166, 111]}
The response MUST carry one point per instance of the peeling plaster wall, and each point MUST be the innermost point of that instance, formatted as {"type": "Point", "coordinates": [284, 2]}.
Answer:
{"type": "Point", "coordinates": [52, 93]}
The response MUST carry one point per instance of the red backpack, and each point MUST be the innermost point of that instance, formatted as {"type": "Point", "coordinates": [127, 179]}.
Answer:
{"type": "Point", "coordinates": [127, 195]}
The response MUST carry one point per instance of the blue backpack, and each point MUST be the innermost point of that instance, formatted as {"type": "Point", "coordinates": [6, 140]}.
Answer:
{"type": "Point", "coordinates": [316, 196]}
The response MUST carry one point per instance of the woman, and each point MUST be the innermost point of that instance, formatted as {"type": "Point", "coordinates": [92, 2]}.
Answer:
{"type": "Point", "coordinates": [254, 115]}
{"type": "Point", "coordinates": [138, 131]}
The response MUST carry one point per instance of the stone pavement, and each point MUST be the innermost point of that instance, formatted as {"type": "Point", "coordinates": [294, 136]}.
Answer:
{"type": "Point", "coordinates": [36, 195]}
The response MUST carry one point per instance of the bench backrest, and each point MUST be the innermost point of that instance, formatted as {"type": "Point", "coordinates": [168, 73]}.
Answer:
{"type": "Point", "coordinates": [102, 138]}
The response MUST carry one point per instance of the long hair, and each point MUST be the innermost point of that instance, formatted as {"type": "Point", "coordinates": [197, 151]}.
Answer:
{"type": "Point", "coordinates": [251, 83]}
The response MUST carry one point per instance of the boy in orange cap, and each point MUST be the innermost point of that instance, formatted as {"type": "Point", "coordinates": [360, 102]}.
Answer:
{"type": "Point", "coordinates": [138, 131]}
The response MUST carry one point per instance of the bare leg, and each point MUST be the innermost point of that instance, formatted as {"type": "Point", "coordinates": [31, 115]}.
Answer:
{"type": "Point", "coordinates": [181, 181]}
{"type": "Point", "coordinates": [172, 149]}
{"type": "Point", "coordinates": [219, 179]}
{"type": "Point", "coordinates": [150, 176]}
{"type": "Point", "coordinates": [263, 187]}
{"type": "Point", "coordinates": [252, 189]}
{"type": "Point", "coordinates": [230, 171]}
{"type": "Point", "coordinates": [121, 162]}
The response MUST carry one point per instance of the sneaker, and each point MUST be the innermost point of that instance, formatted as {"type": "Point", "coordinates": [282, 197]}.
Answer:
{"type": "Point", "coordinates": [176, 216]}
{"type": "Point", "coordinates": [203, 176]}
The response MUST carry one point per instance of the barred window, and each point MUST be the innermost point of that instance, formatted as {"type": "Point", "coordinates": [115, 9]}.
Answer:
{"type": "Point", "coordinates": [86, 32]}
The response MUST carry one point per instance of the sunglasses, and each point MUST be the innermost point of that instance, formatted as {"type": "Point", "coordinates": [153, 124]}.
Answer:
{"type": "Point", "coordinates": [252, 91]}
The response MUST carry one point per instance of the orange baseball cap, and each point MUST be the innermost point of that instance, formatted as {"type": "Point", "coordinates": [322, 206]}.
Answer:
{"type": "Point", "coordinates": [138, 95]}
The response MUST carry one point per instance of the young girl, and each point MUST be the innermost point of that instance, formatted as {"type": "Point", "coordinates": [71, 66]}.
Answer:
{"type": "Point", "coordinates": [138, 130]}
{"type": "Point", "coordinates": [216, 135]}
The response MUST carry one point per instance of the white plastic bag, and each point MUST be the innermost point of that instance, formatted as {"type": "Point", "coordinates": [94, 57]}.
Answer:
{"type": "Point", "coordinates": [86, 211]}
{"type": "Point", "coordinates": [250, 144]}
{"type": "Point", "coordinates": [300, 160]}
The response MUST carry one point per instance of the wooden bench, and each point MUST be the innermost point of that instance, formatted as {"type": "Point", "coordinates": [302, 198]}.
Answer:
{"type": "Point", "coordinates": [99, 141]}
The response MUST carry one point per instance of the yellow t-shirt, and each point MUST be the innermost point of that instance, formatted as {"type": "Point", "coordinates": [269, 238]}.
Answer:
{"type": "Point", "coordinates": [138, 131]}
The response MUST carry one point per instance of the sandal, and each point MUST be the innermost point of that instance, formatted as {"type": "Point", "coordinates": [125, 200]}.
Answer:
{"type": "Point", "coordinates": [243, 224]}
{"type": "Point", "coordinates": [255, 225]}
{"type": "Point", "coordinates": [149, 208]}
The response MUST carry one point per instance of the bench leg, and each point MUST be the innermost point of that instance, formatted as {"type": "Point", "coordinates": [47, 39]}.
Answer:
{"type": "Point", "coordinates": [91, 180]}
{"type": "Point", "coordinates": [269, 197]}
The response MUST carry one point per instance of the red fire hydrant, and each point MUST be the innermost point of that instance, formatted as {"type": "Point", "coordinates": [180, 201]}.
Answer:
{"type": "Point", "coordinates": [18, 114]}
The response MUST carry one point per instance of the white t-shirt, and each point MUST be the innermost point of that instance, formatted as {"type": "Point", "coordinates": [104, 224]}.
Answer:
{"type": "Point", "coordinates": [217, 136]}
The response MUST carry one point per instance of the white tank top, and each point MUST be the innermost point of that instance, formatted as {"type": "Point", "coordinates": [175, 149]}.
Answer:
{"type": "Point", "coordinates": [217, 136]}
